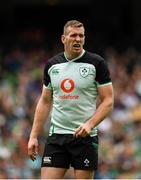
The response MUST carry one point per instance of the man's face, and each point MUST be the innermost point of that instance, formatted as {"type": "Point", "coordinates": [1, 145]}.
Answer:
{"type": "Point", "coordinates": [73, 41]}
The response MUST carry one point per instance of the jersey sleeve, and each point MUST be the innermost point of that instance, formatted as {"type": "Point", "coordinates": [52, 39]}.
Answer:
{"type": "Point", "coordinates": [103, 74]}
{"type": "Point", "coordinates": [46, 77]}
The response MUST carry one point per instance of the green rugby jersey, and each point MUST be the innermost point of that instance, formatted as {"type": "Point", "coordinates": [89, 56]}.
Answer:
{"type": "Point", "coordinates": [74, 87]}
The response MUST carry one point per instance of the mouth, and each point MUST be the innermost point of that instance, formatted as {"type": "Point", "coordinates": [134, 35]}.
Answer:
{"type": "Point", "coordinates": [77, 46]}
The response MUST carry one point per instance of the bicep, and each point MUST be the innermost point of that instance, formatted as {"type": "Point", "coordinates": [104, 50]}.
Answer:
{"type": "Point", "coordinates": [46, 95]}
{"type": "Point", "coordinates": [105, 92]}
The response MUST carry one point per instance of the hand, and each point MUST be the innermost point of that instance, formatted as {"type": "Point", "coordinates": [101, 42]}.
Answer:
{"type": "Point", "coordinates": [83, 130]}
{"type": "Point", "coordinates": [33, 148]}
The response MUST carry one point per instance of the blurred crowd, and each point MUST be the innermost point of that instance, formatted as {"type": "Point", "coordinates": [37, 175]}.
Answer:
{"type": "Point", "coordinates": [21, 78]}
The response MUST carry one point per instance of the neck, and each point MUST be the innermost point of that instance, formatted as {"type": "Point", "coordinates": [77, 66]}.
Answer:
{"type": "Point", "coordinates": [72, 56]}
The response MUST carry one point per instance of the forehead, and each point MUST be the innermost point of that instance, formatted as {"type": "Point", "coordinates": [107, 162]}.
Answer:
{"type": "Point", "coordinates": [75, 30]}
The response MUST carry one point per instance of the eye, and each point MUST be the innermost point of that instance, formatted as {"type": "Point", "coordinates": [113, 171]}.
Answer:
{"type": "Point", "coordinates": [81, 35]}
{"type": "Point", "coordinates": [73, 35]}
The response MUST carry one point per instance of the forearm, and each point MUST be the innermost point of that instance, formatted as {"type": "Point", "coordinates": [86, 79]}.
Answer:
{"type": "Point", "coordinates": [41, 113]}
{"type": "Point", "coordinates": [103, 110]}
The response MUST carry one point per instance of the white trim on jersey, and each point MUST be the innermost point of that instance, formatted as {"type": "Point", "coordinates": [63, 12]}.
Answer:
{"type": "Point", "coordinates": [76, 57]}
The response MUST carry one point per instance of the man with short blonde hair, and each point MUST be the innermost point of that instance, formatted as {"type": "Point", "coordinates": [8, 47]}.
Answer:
{"type": "Point", "coordinates": [73, 80]}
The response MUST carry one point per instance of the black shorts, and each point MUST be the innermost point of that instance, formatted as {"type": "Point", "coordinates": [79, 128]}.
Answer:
{"type": "Point", "coordinates": [65, 150]}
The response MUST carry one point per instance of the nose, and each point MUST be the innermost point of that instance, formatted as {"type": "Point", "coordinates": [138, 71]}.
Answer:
{"type": "Point", "coordinates": [78, 38]}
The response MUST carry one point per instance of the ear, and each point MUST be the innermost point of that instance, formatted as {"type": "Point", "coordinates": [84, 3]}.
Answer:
{"type": "Point", "coordinates": [63, 39]}
{"type": "Point", "coordinates": [84, 40]}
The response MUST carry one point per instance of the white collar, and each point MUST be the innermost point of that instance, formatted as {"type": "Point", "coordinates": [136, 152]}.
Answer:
{"type": "Point", "coordinates": [76, 57]}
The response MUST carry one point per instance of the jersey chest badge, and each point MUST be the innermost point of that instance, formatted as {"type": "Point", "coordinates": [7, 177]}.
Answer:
{"type": "Point", "coordinates": [84, 71]}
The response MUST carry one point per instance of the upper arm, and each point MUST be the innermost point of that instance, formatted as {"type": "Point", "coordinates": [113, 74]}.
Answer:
{"type": "Point", "coordinates": [103, 81]}
{"type": "Point", "coordinates": [106, 92]}
{"type": "Point", "coordinates": [46, 95]}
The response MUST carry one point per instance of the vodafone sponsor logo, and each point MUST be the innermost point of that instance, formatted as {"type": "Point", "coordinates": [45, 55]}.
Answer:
{"type": "Point", "coordinates": [69, 97]}
{"type": "Point", "coordinates": [67, 86]}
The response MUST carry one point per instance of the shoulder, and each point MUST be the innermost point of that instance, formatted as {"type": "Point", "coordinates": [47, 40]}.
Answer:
{"type": "Point", "coordinates": [95, 58]}
{"type": "Point", "coordinates": [98, 61]}
{"type": "Point", "coordinates": [57, 59]}
{"type": "Point", "coordinates": [91, 58]}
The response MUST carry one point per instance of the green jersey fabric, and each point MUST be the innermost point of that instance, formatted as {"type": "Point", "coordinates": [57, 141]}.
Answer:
{"type": "Point", "coordinates": [74, 86]}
